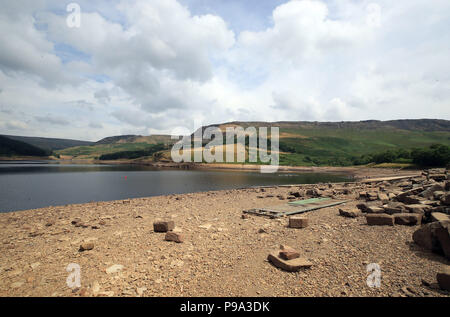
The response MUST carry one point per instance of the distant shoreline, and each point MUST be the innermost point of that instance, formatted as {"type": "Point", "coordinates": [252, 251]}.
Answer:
{"type": "Point", "coordinates": [357, 172]}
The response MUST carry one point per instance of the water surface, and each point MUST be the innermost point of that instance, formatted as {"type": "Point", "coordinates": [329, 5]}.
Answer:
{"type": "Point", "coordinates": [30, 185]}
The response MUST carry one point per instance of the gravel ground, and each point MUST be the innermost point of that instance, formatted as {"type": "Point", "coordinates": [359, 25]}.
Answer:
{"type": "Point", "coordinates": [222, 255]}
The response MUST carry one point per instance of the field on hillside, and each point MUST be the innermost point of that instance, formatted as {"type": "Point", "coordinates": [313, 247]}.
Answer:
{"type": "Point", "coordinates": [337, 146]}
{"type": "Point", "coordinates": [306, 144]}
{"type": "Point", "coordinates": [94, 151]}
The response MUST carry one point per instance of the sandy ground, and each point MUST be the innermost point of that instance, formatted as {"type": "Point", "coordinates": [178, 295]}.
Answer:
{"type": "Point", "coordinates": [222, 255]}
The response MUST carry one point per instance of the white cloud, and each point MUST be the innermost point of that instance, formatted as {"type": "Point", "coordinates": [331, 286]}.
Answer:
{"type": "Point", "coordinates": [157, 66]}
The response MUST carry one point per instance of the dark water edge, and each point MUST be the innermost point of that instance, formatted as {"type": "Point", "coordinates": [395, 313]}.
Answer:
{"type": "Point", "coordinates": [29, 185]}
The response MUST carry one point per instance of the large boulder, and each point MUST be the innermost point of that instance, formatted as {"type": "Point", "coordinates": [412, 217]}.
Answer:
{"type": "Point", "coordinates": [439, 216]}
{"type": "Point", "coordinates": [443, 278]}
{"type": "Point", "coordinates": [408, 219]}
{"type": "Point", "coordinates": [435, 237]}
{"type": "Point", "coordinates": [349, 213]}
{"type": "Point", "coordinates": [438, 177]}
{"type": "Point", "coordinates": [163, 226]}
{"type": "Point", "coordinates": [394, 208]}
{"type": "Point", "coordinates": [445, 199]}
{"type": "Point", "coordinates": [417, 208]}
{"type": "Point", "coordinates": [374, 209]}
{"type": "Point", "coordinates": [410, 200]}
{"type": "Point", "coordinates": [293, 265]}
{"type": "Point", "coordinates": [429, 192]}
{"type": "Point", "coordinates": [371, 196]}
{"type": "Point", "coordinates": [380, 220]}
{"type": "Point", "coordinates": [383, 197]}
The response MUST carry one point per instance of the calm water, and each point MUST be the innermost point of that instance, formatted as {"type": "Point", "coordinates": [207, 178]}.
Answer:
{"type": "Point", "coordinates": [28, 185]}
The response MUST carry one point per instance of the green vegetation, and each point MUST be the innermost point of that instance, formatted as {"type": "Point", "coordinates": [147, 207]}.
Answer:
{"type": "Point", "coordinates": [95, 151]}
{"type": "Point", "coordinates": [437, 155]}
{"type": "Point", "coordinates": [10, 147]}
{"type": "Point", "coordinates": [48, 144]}
{"type": "Point", "coordinates": [152, 149]}
{"type": "Point", "coordinates": [346, 146]}
{"type": "Point", "coordinates": [374, 143]}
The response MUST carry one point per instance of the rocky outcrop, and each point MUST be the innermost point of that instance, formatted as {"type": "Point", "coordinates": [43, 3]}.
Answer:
{"type": "Point", "coordinates": [434, 237]}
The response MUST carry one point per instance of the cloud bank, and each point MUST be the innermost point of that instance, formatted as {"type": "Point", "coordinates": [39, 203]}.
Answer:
{"type": "Point", "coordinates": [145, 67]}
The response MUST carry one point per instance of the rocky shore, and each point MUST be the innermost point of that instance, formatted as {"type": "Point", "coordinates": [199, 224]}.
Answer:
{"type": "Point", "coordinates": [203, 245]}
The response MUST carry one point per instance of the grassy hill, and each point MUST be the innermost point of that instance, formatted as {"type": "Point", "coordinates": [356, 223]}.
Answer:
{"type": "Point", "coordinates": [339, 143]}
{"type": "Point", "coordinates": [10, 148]}
{"type": "Point", "coordinates": [117, 144]}
{"type": "Point", "coordinates": [301, 143]}
{"type": "Point", "coordinates": [48, 144]}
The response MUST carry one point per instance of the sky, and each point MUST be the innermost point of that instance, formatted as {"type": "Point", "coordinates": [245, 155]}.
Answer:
{"type": "Point", "coordinates": [154, 67]}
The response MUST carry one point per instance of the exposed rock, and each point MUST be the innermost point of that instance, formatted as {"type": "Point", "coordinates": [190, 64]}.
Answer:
{"type": "Point", "coordinates": [438, 177]}
{"type": "Point", "coordinates": [434, 237]}
{"type": "Point", "coordinates": [383, 197]}
{"type": "Point", "coordinates": [371, 196]}
{"type": "Point", "coordinates": [439, 216]}
{"type": "Point", "coordinates": [86, 246]}
{"type": "Point", "coordinates": [75, 221]}
{"type": "Point", "coordinates": [50, 223]}
{"type": "Point", "coordinates": [298, 222]}
{"type": "Point", "coordinates": [140, 290]}
{"type": "Point", "coordinates": [289, 254]}
{"type": "Point", "coordinates": [375, 210]}
{"type": "Point", "coordinates": [380, 220]}
{"type": "Point", "coordinates": [206, 226]}
{"type": "Point", "coordinates": [35, 265]}
{"type": "Point", "coordinates": [95, 288]}
{"type": "Point", "coordinates": [392, 196]}
{"type": "Point", "coordinates": [293, 265]}
{"type": "Point", "coordinates": [410, 200]}
{"type": "Point", "coordinates": [349, 213]}
{"type": "Point", "coordinates": [174, 236]}
{"type": "Point", "coordinates": [163, 226]}
{"type": "Point", "coordinates": [417, 208]}
{"type": "Point", "coordinates": [443, 278]}
{"type": "Point", "coordinates": [429, 192]}
{"type": "Point", "coordinates": [78, 223]}
{"type": "Point", "coordinates": [295, 194]}
{"type": "Point", "coordinates": [394, 208]}
{"type": "Point", "coordinates": [114, 269]}
{"type": "Point", "coordinates": [437, 195]}
{"type": "Point", "coordinates": [363, 207]}
{"type": "Point", "coordinates": [408, 219]}
{"type": "Point", "coordinates": [445, 199]}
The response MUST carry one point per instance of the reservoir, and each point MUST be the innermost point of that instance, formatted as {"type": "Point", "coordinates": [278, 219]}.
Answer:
{"type": "Point", "coordinates": [31, 185]}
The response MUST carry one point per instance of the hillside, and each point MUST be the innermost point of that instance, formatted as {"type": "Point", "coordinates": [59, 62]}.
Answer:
{"type": "Point", "coordinates": [340, 143]}
{"type": "Point", "coordinates": [305, 143]}
{"type": "Point", "coordinates": [10, 147]}
{"type": "Point", "coordinates": [48, 144]}
{"type": "Point", "coordinates": [130, 145]}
